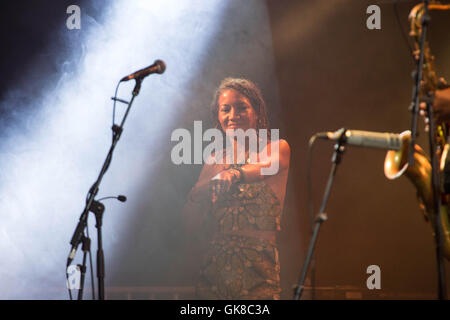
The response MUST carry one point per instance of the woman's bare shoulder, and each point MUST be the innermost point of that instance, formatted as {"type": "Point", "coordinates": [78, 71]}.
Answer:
{"type": "Point", "coordinates": [284, 145]}
{"type": "Point", "coordinates": [284, 150]}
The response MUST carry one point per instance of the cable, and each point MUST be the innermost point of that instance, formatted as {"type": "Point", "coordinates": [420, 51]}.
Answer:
{"type": "Point", "coordinates": [309, 181]}
{"type": "Point", "coordinates": [91, 267]}
{"type": "Point", "coordinates": [113, 124]}
{"type": "Point", "coordinates": [90, 192]}
{"type": "Point", "coordinates": [310, 206]}
{"type": "Point", "coordinates": [90, 264]}
{"type": "Point", "coordinates": [114, 105]}
{"type": "Point", "coordinates": [405, 38]}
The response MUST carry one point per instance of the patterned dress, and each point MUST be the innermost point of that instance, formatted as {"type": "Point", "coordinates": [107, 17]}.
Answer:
{"type": "Point", "coordinates": [242, 261]}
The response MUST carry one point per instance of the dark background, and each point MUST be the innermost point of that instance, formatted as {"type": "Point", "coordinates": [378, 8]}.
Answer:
{"type": "Point", "coordinates": [331, 72]}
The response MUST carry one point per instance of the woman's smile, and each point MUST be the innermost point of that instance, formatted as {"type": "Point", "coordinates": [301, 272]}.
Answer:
{"type": "Point", "coordinates": [236, 111]}
{"type": "Point", "coordinates": [234, 125]}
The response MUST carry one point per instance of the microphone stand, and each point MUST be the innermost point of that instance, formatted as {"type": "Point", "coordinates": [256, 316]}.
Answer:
{"type": "Point", "coordinates": [86, 247]}
{"type": "Point", "coordinates": [322, 216]}
{"type": "Point", "coordinates": [435, 183]}
{"type": "Point", "coordinates": [98, 211]}
{"type": "Point", "coordinates": [437, 221]}
{"type": "Point", "coordinates": [79, 230]}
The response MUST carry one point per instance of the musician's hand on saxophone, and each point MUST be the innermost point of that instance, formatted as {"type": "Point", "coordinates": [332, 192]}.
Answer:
{"type": "Point", "coordinates": [441, 107]}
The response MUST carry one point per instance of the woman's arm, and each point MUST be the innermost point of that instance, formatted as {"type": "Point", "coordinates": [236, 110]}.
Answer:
{"type": "Point", "coordinates": [275, 163]}
{"type": "Point", "coordinates": [278, 161]}
{"type": "Point", "coordinates": [201, 191]}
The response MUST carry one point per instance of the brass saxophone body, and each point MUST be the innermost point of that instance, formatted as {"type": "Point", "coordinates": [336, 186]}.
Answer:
{"type": "Point", "coordinates": [396, 162]}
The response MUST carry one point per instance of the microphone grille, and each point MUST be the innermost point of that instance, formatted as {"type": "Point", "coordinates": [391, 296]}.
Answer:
{"type": "Point", "coordinates": [122, 198]}
{"type": "Point", "coordinates": [161, 66]}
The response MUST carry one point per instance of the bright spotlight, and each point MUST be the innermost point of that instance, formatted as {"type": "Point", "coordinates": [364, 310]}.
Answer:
{"type": "Point", "coordinates": [48, 169]}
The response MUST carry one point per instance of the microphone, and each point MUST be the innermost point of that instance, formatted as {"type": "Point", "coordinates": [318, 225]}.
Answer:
{"type": "Point", "coordinates": [120, 197]}
{"type": "Point", "coordinates": [77, 237]}
{"type": "Point", "coordinates": [158, 67]}
{"type": "Point", "coordinates": [371, 139]}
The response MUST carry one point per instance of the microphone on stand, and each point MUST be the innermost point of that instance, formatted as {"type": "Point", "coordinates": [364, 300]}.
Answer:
{"type": "Point", "coordinates": [79, 231]}
{"type": "Point", "coordinates": [158, 67]}
{"type": "Point", "coordinates": [371, 139]}
{"type": "Point", "coordinates": [120, 197]}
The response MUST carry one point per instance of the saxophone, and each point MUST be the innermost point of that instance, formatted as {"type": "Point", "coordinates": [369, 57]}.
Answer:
{"type": "Point", "coordinates": [396, 162]}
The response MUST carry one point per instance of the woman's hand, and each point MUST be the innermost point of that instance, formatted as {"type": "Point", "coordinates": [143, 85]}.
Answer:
{"type": "Point", "coordinates": [222, 182]}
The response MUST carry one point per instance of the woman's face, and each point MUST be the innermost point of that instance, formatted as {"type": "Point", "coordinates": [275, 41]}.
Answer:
{"type": "Point", "coordinates": [236, 111]}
